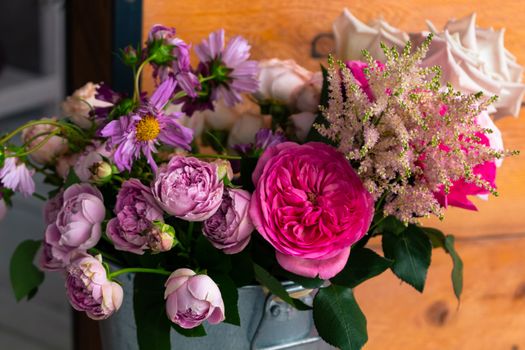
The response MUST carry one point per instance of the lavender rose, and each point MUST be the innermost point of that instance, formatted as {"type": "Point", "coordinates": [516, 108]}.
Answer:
{"type": "Point", "coordinates": [188, 188]}
{"type": "Point", "coordinates": [89, 290]}
{"type": "Point", "coordinates": [52, 208]}
{"type": "Point", "coordinates": [136, 210]}
{"type": "Point", "coordinates": [191, 299]}
{"type": "Point", "coordinates": [230, 227]}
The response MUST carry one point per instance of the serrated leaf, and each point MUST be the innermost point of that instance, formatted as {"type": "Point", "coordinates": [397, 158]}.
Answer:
{"type": "Point", "coordinates": [230, 296]}
{"type": "Point", "coordinates": [153, 325]}
{"type": "Point", "coordinates": [25, 276]}
{"type": "Point", "coordinates": [436, 237]}
{"type": "Point", "coordinates": [362, 264]}
{"type": "Point", "coordinates": [457, 269]}
{"type": "Point", "coordinates": [338, 318]}
{"type": "Point", "coordinates": [195, 332]}
{"type": "Point", "coordinates": [411, 251]}
{"type": "Point", "coordinates": [266, 279]}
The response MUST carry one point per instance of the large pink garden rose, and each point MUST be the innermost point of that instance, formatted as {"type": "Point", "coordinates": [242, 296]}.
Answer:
{"type": "Point", "coordinates": [311, 206]}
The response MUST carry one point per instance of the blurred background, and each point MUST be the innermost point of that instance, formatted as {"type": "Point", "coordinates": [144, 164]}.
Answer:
{"type": "Point", "coordinates": [48, 48]}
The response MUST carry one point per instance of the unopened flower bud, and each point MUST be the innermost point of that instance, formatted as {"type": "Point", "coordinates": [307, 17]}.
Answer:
{"type": "Point", "coordinates": [129, 56]}
{"type": "Point", "coordinates": [101, 172]}
{"type": "Point", "coordinates": [224, 169]}
{"type": "Point", "coordinates": [161, 237]}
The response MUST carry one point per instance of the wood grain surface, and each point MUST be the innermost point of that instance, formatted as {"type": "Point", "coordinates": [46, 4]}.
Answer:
{"type": "Point", "coordinates": [492, 311]}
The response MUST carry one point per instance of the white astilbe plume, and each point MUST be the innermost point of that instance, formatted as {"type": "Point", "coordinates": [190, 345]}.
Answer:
{"type": "Point", "coordinates": [412, 138]}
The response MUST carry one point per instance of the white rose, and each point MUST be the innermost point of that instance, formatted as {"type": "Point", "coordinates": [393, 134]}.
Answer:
{"type": "Point", "coordinates": [475, 59]}
{"type": "Point", "coordinates": [78, 105]}
{"type": "Point", "coordinates": [309, 96]}
{"type": "Point", "coordinates": [281, 81]}
{"type": "Point", "coordinates": [352, 36]}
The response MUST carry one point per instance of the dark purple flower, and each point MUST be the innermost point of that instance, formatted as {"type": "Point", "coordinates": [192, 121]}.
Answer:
{"type": "Point", "coordinates": [136, 210]}
{"type": "Point", "coordinates": [263, 139]}
{"type": "Point", "coordinates": [178, 65]}
{"type": "Point", "coordinates": [140, 132]}
{"type": "Point", "coordinates": [232, 72]}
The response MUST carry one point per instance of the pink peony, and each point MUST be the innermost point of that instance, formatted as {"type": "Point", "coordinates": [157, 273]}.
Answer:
{"type": "Point", "coordinates": [191, 299]}
{"type": "Point", "coordinates": [89, 289]}
{"type": "Point", "coordinates": [311, 206]}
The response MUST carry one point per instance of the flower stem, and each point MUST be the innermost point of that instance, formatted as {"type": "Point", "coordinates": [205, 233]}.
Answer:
{"type": "Point", "coordinates": [37, 147]}
{"type": "Point", "coordinates": [39, 196]}
{"type": "Point", "coordinates": [136, 92]}
{"type": "Point", "coordinates": [218, 156]}
{"type": "Point", "coordinates": [138, 270]}
{"type": "Point", "coordinates": [27, 125]}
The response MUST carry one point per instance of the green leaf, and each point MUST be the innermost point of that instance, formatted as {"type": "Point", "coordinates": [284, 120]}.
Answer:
{"type": "Point", "coordinates": [363, 264]}
{"type": "Point", "coordinates": [198, 331]}
{"type": "Point", "coordinates": [248, 165]}
{"type": "Point", "coordinates": [457, 269]}
{"type": "Point", "coordinates": [311, 283]}
{"type": "Point", "coordinates": [153, 326]}
{"type": "Point", "coordinates": [211, 258]}
{"type": "Point", "coordinates": [411, 251]}
{"type": "Point", "coordinates": [230, 296]}
{"type": "Point", "coordinates": [338, 318]}
{"type": "Point", "coordinates": [72, 178]}
{"type": "Point", "coordinates": [25, 276]}
{"type": "Point", "coordinates": [266, 279]}
{"type": "Point", "coordinates": [242, 274]}
{"type": "Point", "coordinates": [390, 224]}
{"type": "Point", "coordinates": [439, 240]}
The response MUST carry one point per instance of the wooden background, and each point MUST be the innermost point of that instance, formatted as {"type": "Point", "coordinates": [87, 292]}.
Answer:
{"type": "Point", "coordinates": [492, 311]}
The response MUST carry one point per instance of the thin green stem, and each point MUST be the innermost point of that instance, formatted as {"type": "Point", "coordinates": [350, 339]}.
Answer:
{"type": "Point", "coordinates": [218, 156]}
{"type": "Point", "coordinates": [204, 79]}
{"type": "Point", "coordinates": [27, 125]}
{"type": "Point", "coordinates": [136, 92]}
{"type": "Point", "coordinates": [138, 270]}
{"type": "Point", "coordinates": [39, 196]}
{"type": "Point", "coordinates": [37, 147]}
{"type": "Point", "coordinates": [106, 256]}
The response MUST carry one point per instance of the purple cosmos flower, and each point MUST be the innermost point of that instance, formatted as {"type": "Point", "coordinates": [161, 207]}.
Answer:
{"type": "Point", "coordinates": [16, 176]}
{"type": "Point", "coordinates": [140, 132]}
{"type": "Point", "coordinates": [179, 66]}
{"type": "Point", "coordinates": [232, 72]}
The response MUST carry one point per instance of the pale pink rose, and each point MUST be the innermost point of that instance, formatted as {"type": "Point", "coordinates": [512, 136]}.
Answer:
{"type": "Point", "coordinates": [64, 164]}
{"type": "Point", "coordinates": [302, 122]}
{"type": "Point", "coordinates": [309, 96]}
{"type": "Point", "coordinates": [281, 81]}
{"type": "Point", "coordinates": [79, 105]}
{"type": "Point", "coordinates": [192, 299]}
{"type": "Point", "coordinates": [54, 146]}
{"type": "Point", "coordinates": [311, 206]}
{"type": "Point", "coordinates": [245, 129]}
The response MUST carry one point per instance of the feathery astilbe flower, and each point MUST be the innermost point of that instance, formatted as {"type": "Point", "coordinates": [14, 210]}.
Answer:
{"type": "Point", "coordinates": [409, 138]}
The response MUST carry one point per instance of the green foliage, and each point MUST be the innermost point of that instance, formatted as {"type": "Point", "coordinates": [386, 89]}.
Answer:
{"type": "Point", "coordinates": [338, 318]}
{"type": "Point", "coordinates": [363, 264]}
{"type": "Point", "coordinates": [313, 134]}
{"type": "Point", "coordinates": [25, 276]}
{"type": "Point", "coordinates": [411, 251]}
{"type": "Point", "coordinates": [266, 279]}
{"type": "Point", "coordinates": [439, 240]}
{"type": "Point", "coordinates": [153, 326]}
{"type": "Point", "coordinates": [198, 331]}
{"type": "Point", "coordinates": [71, 179]}
{"type": "Point", "coordinates": [210, 258]}
{"type": "Point", "coordinates": [248, 165]}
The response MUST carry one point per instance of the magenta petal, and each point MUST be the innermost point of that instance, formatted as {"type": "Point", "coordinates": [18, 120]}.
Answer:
{"type": "Point", "coordinates": [325, 269]}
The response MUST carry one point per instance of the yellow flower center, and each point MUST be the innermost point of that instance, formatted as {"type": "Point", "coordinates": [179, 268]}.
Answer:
{"type": "Point", "coordinates": [148, 128]}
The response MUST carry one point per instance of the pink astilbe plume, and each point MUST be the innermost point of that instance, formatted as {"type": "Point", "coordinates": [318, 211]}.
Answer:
{"type": "Point", "coordinates": [409, 138]}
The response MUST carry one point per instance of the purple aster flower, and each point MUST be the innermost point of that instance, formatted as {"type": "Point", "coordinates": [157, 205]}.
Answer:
{"type": "Point", "coordinates": [232, 72]}
{"type": "Point", "coordinates": [178, 66]}
{"type": "Point", "coordinates": [16, 176]}
{"type": "Point", "coordinates": [140, 132]}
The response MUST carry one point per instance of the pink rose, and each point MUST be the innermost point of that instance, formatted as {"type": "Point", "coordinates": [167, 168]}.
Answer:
{"type": "Point", "coordinates": [230, 228]}
{"type": "Point", "coordinates": [191, 299]}
{"type": "Point", "coordinates": [54, 146]}
{"type": "Point", "coordinates": [311, 206]}
{"type": "Point", "coordinates": [89, 289]}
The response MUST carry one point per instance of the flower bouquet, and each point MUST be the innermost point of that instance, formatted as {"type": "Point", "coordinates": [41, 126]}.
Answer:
{"type": "Point", "coordinates": [239, 173]}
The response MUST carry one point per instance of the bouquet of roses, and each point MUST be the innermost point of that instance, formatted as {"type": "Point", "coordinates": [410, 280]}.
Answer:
{"type": "Point", "coordinates": [239, 172]}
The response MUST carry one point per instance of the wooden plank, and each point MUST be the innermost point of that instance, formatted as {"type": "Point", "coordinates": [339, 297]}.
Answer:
{"type": "Point", "coordinates": [491, 314]}
{"type": "Point", "coordinates": [286, 30]}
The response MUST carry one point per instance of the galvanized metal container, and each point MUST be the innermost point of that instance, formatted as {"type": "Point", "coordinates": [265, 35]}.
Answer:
{"type": "Point", "coordinates": [267, 323]}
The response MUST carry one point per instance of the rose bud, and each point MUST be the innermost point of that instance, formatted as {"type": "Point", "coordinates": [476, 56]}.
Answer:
{"type": "Point", "coordinates": [79, 220]}
{"type": "Point", "coordinates": [229, 229]}
{"type": "Point", "coordinates": [224, 169]}
{"type": "Point", "coordinates": [101, 172]}
{"type": "Point", "coordinates": [54, 147]}
{"type": "Point", "coordinates": [161, 237]}
{"type": "Point", "coordinates": [188, 188]}
{"type": "Point", "coordinates": [191, 299]}
{"type": "Point", "coordinates": [89, 290]}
